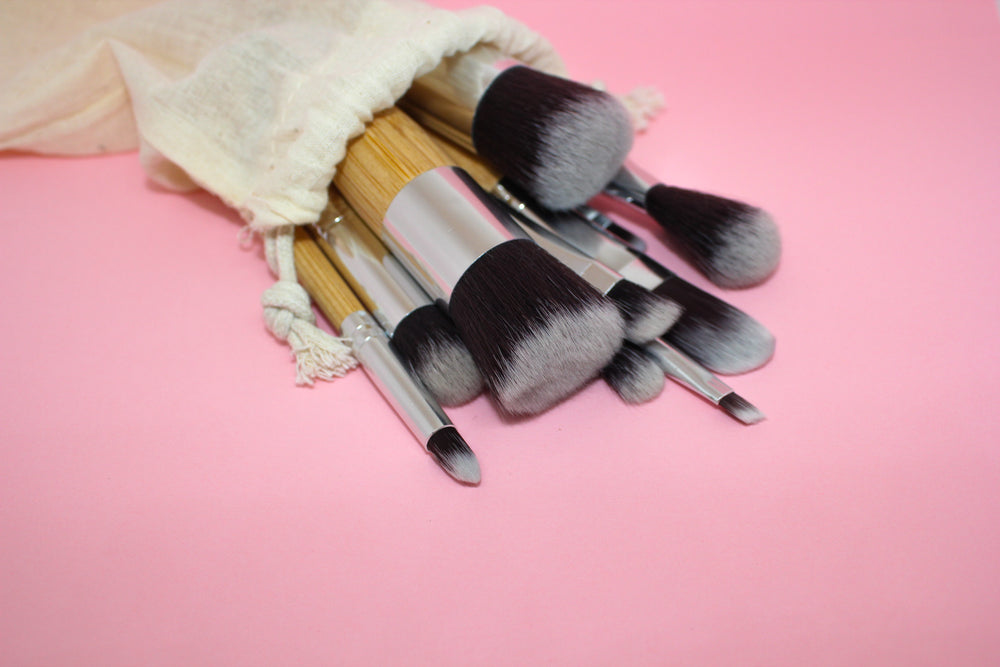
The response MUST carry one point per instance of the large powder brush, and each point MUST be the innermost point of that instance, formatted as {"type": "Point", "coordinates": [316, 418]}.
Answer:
{"type": "Point", "coordinates": [537, 331]}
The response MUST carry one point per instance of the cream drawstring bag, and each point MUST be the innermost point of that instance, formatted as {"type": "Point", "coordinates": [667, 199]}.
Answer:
{"type": "Point", "coordinates": [252, 100]}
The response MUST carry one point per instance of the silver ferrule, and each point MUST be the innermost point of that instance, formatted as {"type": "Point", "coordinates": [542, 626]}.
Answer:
{"type": "Point", "coordinates": [407, 396]}
{"type": "Point", "coordinates": [440, 223]}
{"type": "Point", "coordinates": [390, 291]}
{"type": "Point", "coordinates": [630, 184]}
{"type": "Point", "coordinates": [688, 372]}
{"type": "Point", "coordinates": [576, 236]}
{"type": "Point", "coordinates": [603, 223]}
{"type": "Point", "coordinates": [596, 274]}
{"type": "Point", "coordinates": [452, 90]}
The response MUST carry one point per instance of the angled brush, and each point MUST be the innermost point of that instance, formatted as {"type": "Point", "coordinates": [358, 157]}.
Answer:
{"type": "Point", "coordinates": [411, 401]}
{"type": "Point", "coordinates": [537, 331]}
{"type": "Point", "coordinates": [682, 369]}
{"type": "Point", "coordinates": [420, 332]}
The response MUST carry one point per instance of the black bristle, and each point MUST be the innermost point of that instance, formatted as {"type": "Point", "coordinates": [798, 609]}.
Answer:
{"type": "Point", "coordinates": [561, 140]}
{"type": "Point", "coordinates": [714, 333]}
{"type": "Point", "coordinates": [732, 243]}
{"type": "Point", "coordinates": [537, 331]}
{"type": "Point", "coordinates": [741, 409]}
{"type": "Point", "coordinates": [429, 343]}
{"type": "Point", "coordinates": [634, 375]}
{"type": "Point", "coordinates": [454, 455]}
{"type": "Point", "coordinates": [647, 315]}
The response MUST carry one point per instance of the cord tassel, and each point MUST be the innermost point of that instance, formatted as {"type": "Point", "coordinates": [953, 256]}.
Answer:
{"type": "Point", "coordinates": [289, 317]}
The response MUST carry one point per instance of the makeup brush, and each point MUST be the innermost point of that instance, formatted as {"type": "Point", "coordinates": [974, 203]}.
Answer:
{"type": "Point", "coordinates": [559, 139]}
{"type": "Point", "coordinates": [419, 331]}
{"type": "Point", "coordinates": [711, 331]}
{"type": "Point", "coordinates": [537, 331]}
{"type": "Point", "coordinates": [634, 374]}
{"type": "Point", "coordinates": [425, 337]}
{"type": "Point", "coordinates": [414, 405]}
{"type": "Point", "coordinates": [685, 371]}
{"type": "Point", "coordinates": [647, 315]}
{"type": "Point", "coordinates": [732, 243]}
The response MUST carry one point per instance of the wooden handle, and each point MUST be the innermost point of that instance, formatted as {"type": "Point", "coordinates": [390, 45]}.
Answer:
{"type": "Point", "coordinates": [392, 151]}
{"type": "Point", "coordinates": [482, 173]}
{"type": "Point", "coordinates": [326, 287]}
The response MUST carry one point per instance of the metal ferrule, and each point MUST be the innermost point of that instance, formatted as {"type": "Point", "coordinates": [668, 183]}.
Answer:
{"type": "Point", "coordinates": [630, 184]}
{"type": "Point", "coordinates": [390, 291]}
{"type": "Point", "coordinates": [685, 370]}
{"type": "Point", "coordinates": [587, 242]}
{"type": "Point", "coordinates": [440, 223]}
{"type": "Point", "coordinates": [407, 396]}
{"type": "Point", "coordinates": [596, 274]}
{"type": "Point", "coordinates": [604, 223]}
{"type": "Point", "coordinates": [452, 91]}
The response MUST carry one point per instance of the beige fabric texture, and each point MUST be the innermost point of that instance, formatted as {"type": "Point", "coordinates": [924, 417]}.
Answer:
{"type": "Point", "coordinates": [253, 100]}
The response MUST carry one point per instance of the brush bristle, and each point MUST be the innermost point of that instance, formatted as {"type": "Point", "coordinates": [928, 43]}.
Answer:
{"type": "Point", "coordinates": [559, 139]}
{"type": "Point", "coordinates": [454, 455]}
{"type": "Point", "coordinates": [537, 331]}
{"type": "Point", "coordinates": [714, 333]}
{"type": "Point", "coordinates": [647, 315]}
{"type": "Point", "coordinates": [634, 375]}
{"type": "Point", "coordinates": [741, 409]}
{"type": "Point", "coordinates": [429, 342]}
{"type": "Point", "coordinates": [732, 243]}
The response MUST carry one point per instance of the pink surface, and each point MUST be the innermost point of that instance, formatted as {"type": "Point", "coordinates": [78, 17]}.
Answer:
{"type": "Point", "coordinates": [169, 497]}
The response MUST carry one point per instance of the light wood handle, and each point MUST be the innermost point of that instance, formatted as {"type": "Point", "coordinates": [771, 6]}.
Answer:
{"type": "Point", "coordinates": [328, 289]}
{"type": "Point", "coordinates": [392, 151]}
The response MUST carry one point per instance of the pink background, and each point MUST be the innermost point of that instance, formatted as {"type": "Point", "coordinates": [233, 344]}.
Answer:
{"type": "Point", "coordinates": [169, 497]}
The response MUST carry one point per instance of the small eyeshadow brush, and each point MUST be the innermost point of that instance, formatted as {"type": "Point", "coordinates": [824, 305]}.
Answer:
{"type": "Point", "coordinates": [419, 331]}
{"type": "Point", "coordinates": [410, 400]}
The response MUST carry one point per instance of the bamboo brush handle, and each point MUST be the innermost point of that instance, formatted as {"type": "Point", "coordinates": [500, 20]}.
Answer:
{"type": "Point", "coordinates": [326, 287]}
{"type": "Point", "coordinates": [392, 151]}
{"type": "Point", "coordinates": [482, 173]}
{"type": "Point", "coordinates": [436, 125]}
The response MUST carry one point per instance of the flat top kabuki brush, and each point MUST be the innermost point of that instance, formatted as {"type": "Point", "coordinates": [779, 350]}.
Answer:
{"type": "Point", "coordinates": [536, 330]}
{"type": "Point", "coordinates": [559, 139]}
{"type": "Point", "coordinates": [419, 331]}
{"type": "Point", "coordinates": [732, 243]}
{"type": "Point", "coordinates": [411, 401]}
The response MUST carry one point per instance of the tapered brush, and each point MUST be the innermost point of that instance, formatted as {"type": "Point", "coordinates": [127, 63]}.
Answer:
{"type": "Point", "coordinates": [561, 140]}
{"type": "Point", "coordinates": [537, 331]}
{"type": "Point", "coordinates": [420, 332]}
{"type": "Point", "coordinates": [647, 315]}
{"type": "Point", "coordinates": [411, 401]}
{"type": "Point", "coordinates": [687, 372]}
{"type": "Point", "coordinates": [711, 331]}
{"type": "Point", "coordinates": [634, 374]}
{"type": "Point", "coordinates": [732, 243]}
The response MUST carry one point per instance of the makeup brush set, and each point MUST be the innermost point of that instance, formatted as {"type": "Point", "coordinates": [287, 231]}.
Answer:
{"type": "Point", "coordinates": [459, 254]}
